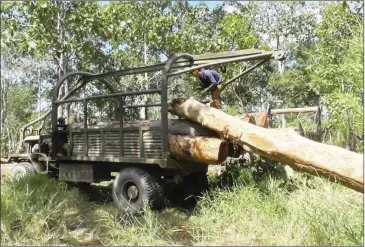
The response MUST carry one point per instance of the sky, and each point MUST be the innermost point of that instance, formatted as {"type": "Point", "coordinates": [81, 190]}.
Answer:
{"type": "Point", "coordinates": [211, 4]}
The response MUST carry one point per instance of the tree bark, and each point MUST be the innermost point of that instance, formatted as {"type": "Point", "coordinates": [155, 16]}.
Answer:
{"type": "Point", "coordinates": [201, 149]}
{"type": "Point", "coordinates": [62, 57]}
{"type": "Point", "coordinates": [283, 145]}
{"type": "Point", "coordinates": [10, 143]}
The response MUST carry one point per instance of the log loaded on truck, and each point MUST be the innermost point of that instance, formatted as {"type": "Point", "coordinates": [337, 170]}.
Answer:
{"type": "Point", "coordinates": [151, 158]}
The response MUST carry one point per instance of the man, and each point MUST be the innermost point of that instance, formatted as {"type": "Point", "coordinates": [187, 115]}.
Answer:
{"type": "Point", "coordinates": [209, 81]}
{"type": "Point", "coordinates": [62, 137]}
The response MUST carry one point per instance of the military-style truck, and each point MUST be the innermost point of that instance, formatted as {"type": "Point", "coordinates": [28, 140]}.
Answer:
{"type": "Point", "coordinates": [139, 155]}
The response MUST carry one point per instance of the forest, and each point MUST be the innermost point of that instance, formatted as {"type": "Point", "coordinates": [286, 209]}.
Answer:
{"type": "Point", "coordinates": [43, 40]}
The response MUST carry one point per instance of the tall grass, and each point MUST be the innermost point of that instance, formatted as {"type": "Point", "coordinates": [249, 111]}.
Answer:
{"type": "Point", "coordinates": [38, 210]}
{"type": "Point", "coordinates": [305, 211]}
{"type": "Point", "coordinates": [248, 215]}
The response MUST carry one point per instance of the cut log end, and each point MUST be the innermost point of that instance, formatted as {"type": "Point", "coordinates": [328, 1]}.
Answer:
{"type": "Point", "coordinates": [201, 149]}
{"type": "Point", "coordinates": [172, 104]}
{"type": "Point", "coordinates": [223, 152]}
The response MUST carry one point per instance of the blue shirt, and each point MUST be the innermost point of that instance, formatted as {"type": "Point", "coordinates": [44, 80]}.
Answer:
{"type": "Point", "coordinates": [209, 77]}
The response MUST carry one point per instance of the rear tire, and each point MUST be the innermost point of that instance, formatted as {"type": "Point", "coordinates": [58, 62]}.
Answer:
{"type": "Point", "coordinates": [135, 188]}
{"type": "Point", "coordinates": [21, 170]}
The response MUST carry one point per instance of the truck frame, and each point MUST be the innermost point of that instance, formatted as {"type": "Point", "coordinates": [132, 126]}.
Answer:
{"type": "Point", "coordinates": [146, 172]}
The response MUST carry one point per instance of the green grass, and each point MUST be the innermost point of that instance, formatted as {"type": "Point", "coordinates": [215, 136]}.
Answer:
{"type": "Point", "coordinates": [305, 211]}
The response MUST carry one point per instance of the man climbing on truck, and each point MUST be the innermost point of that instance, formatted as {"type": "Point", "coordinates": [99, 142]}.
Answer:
{"type": "Point", "coordinates": [209, 81]}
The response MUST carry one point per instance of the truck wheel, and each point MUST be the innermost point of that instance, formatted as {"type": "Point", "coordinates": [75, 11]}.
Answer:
{"type": "Point", "coordinates": [21, 170]}
{"type": "Point", "coordinates": [134, 188]}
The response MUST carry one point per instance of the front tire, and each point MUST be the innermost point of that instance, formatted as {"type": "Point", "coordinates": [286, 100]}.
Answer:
{"type": "Point", "coordinates": [135, 188]}
{"type": "Point", "coordinates": [21, 170]}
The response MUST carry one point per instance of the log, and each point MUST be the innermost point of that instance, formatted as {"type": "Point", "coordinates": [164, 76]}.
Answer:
{"type": "Point", "coordinates": [176, 126]}
{"type": "Point", "coordinates": [283, 145]}
{"type": "Point", "coordinates": [201, 149]}
{"type": "Point", "coordinates": [294, 110]}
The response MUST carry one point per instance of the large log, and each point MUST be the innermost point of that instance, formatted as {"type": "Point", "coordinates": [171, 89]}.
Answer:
{"type": "Point", "coordinates": [176, 126]}
{"type": "Point", "coordinates": [283, 145]}
{"type": "Point", "coordinates": [201, 149]}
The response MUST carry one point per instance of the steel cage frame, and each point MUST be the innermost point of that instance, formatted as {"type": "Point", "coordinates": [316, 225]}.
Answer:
{"type": "Point", "coordinates": [178, 60]}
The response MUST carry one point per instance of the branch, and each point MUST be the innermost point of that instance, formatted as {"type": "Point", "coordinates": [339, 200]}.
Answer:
{"type": "Point", "coordinates": [47, 29]}
{"type": "Point", "coordinates": [56, 59]}
{"type": "Point", "coordinates": [83, 42]}
{"type": "Point", "coordinates": [239, 99]}
{"type": "Point", "coordinates": [72, 38]}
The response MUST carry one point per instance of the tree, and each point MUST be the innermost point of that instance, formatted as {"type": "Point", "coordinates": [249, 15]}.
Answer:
{"type": "Point", "coordinates": [284, 24]}
{"type": "Point", "coordinates": [328, 71]}
{"type": "Point", "coordinates": [21, 77]}
{"type": "Point", "coordinates": [337, 73]}
{"type": "Point", "coordinates": [64, 31]}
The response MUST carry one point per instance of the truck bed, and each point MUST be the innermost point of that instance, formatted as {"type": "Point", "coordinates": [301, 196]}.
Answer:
{"type": "Point", "coordinates": [131, 142]}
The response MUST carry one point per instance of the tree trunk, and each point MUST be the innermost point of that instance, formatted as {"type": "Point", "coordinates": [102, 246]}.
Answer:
{"type": "Point", "coordinates": [142, 110]}
{"type": "Point", "coordinates": [9, 140]}
{"type": "Point", "coordinates": [282, 145]}
{"type": "Point", "coordinates": [68, 105]}
{"type": "Point", "coordinates": [201, 149]}
{"type": "Point", "coordinates": [62, 58]}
